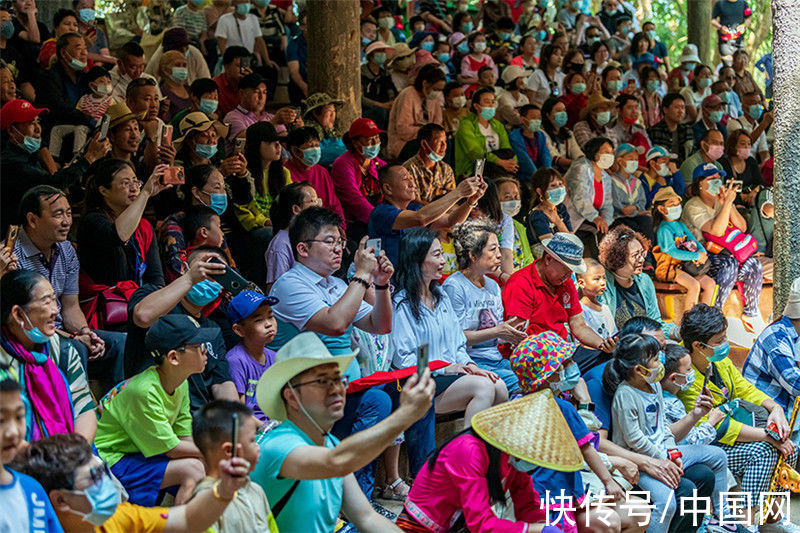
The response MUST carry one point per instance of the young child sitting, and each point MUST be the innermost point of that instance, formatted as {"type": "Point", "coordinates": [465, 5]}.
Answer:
{"type": "Point", "coordinates": [682, 249]}
{"type": "Point", "coordinates": [250, 315]}
{"type": "Point", "coordinates": [591, 284]}
{"type": "Point", "coordinates": [144, 432]}
{"type": "Point", "coordinates": [202, 225]}
{"type": "Point", "coordinates": [95, 103]}
{"type": "Point", "coordinates": [212, 429]}
{"type": "Point", "coordinates": [19, 492]}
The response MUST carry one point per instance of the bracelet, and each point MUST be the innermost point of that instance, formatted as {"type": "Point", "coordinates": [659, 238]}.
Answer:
{"type": "Point", "coordinates": [362, 281]}
{"type": "Point", "coordinates": [380, 287]}
{"type": "Point", "coordinates": [79, 332]}
{"type": "Point", "coordinates": [215, 491]}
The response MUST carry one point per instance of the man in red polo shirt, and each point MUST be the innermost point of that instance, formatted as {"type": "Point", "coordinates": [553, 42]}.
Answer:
{"type": "Point", "coordinates": [228, 81]}
{"type": "Point", "coordinates": [543, 296]}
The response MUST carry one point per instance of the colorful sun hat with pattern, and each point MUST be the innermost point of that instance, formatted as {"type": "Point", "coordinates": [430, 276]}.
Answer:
{"type": "Point", "coordinates": [537, 357]}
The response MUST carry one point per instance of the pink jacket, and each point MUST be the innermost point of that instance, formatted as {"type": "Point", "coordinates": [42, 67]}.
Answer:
{"type": "Point", "coordinates": [458, 482]}
{"type": "Point", "coordinates": [319, 178]}
{"type": "Point", "coordinates": [346, 176]}
{"type": "Point", "coordinates": [407, 117]}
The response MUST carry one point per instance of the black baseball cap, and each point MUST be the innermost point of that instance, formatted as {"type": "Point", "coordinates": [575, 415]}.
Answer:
{"type": "Point", "coordinates": [171, 332]}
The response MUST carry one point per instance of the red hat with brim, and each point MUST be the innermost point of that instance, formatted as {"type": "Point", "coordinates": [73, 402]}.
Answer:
{"type": "Point", "coordinates": [363, 127]}
{"type": "Point", "coordinates": [18, 110]}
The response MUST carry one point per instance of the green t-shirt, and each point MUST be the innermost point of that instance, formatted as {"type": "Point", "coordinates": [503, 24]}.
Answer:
{"type": "Point", "coordinates": [139, 416]}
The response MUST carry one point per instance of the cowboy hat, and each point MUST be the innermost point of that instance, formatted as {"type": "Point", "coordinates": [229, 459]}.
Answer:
{"type": "Point", "coordinates": [120, 113]}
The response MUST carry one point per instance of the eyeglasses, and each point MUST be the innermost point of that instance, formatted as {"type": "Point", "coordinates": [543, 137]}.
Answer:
{"type": "Point", "coordinates": [327, 382]}
{"type": "Point", "coordinates": [330, 242]}
{"type": "Point", "coordinates": [131, 184]}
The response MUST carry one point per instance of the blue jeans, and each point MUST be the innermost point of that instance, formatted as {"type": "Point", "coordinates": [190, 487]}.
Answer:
{"type": "Point", "coordinates": [502, 368]}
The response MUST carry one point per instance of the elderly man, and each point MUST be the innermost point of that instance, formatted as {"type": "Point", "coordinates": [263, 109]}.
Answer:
{"type": "Point", "coordinates": [542, 297]}
{"type": "Point", "coordinates": [711, 110]}
{"type": "Point", "coordinates": [60, 87]}
{"type": "Point", "coordinates": [130, 66]}
{"type": "Point", "coordinates": [305, 471]}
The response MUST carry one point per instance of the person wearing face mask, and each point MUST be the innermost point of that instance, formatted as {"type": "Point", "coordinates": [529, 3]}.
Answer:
{"type": "Point", "coordinates": [595, 119]}
{"type": "Point", "coordinates": [95, 37]}
{"type": "Point", "coordinates": [97, 102]}
{"type": "Point", "coordinates": [696, 91]}
{"type": "Point", "coordinates": [620, 41]}
{"type": "Point", "coordinates": [205, 98]}
{"type": "Point", "coordinates": [710, 118]}
{"type": "Point", "coordinates": [55, 385]}
{"type": "Point", "coordinates": [303, 146]}
{"type": "Point", "coordinates": [387, 33]}
{"type": "Point", "coordinates": [414, 107]}
{"type": "Point", "coordinates": [628, 127]}
{"type": "Point", "coordinates": [377, 90]}
{"type": "Point", "coordinates": [752, 452]}
{"type": "Point", "coordinates": [661, 171]}
{"type": "Point", "coordinates": [454, 110]}
{"type": "Point", "coordinates": [173, 73]}
{"type": "Point", "coordinates": [549, 214]}
{"type": "Point", "coordinates": [755, 120]}
{"type": "Point", "coordinates": [514, 96]}
{"type": "Point", "coordinates": [741, 165]}
{"type": "Point", "coordinates": [400, 64]}
{"type": "Point", "coordinates": [529, 143]}
{"type": "Point", "coordinates": [481, 136]}
{"type": "Point", "coordinates": [630, 197]}
{"type": "Point", "coordinates": [472, 62]}
{"type": "Point", "coordinates": [433, 176]}
{"type": "Point", "coordinates": [509, 192]}
{"type": "Point", "coordinates": [576, 94]}
{"type": "Point", "coordinates": [611, 82]}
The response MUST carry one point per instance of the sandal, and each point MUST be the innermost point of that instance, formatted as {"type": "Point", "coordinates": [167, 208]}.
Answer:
{"type": "Point", "coordinates": [397, 490]}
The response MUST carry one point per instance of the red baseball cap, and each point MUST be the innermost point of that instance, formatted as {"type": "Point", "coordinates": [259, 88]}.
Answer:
{"type": "Point", "coordinates": [363, 127]}
{"type": "Point", "coordinates": [18, 110]}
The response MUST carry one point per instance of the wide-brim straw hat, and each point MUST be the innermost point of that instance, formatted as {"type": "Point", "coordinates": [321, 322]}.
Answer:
{"type": "Point", "coordinates": [120, 113]}
{"type": "Point", "coordinates": [317, 100]}
{"type": "Point", "coordinates": [532, 429]}
{"type": "Point", "coordinates": [199, 121]}
{"type": "Point", "coordinates": [304, 351]}
{"type": "Point", "coordinates": [595, 101]}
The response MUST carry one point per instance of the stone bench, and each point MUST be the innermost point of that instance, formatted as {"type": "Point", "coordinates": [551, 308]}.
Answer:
{"type": "Point", "coordinates": [670, 298]}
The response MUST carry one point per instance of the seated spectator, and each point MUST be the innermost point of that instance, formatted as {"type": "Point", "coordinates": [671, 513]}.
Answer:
{"type": "Point", "coordinates": [192, 19]}
{"type": "Point", "coordinates": [513, 97]}
{"type": "Point", "coordinates": [423, 314]}
{"type": "Point", "coordinates": [414, 107]}
{"type": "Point", "coordinates": [549, 214]}
{"type": "Point", "coordinates": [597, 315]}
{"type": "Point", "coordinates": [547, 81]}
{"type": "Point", "coordinates": [60, 87]}
{"type": "Point", "coordinates": [590, 200]}
{"type": "Point", "coordinates": [476, 300]}
{"type": "Point", "coordinates": [211, 431]}
{"type": "Point", "coordinates": [251, 109]}
{"type": "Point", "coordinates": [649, 98]}
{"type": "Point", "coordinates": [305, 390]}
{"type": "Point", "coordinates": [711, 147]}
{"type": "Point", "coordinates": [509, 194]}
{"type": "Point", "coordinates": [42, 247]}
{"type": "Point", "coordinates": [455, 108]}
{"type": "Point", "coordinates": [124, 134]}
{"type": "Point", "coordinates": [177, 39]}
{"type": "Point", "coordinates": [321, 115]}
{"type": "Point", "coordinates": [709, 118]}
{"type": "Point", "coordinates": [291, 200]}
{"type": "Point", "coordinates": [195, 295]}
{"type": "Point", "coordinates": [594, 119]}
{"type": "Point", "coordinates": [711, 211]}
{"type": "Point", "coordinates": [696, 91]}
{"type": "Point", "coordinates": [143, 99]}
{"type": "Point", "coordinates": [662, 171]}
{"type": "Point", "coordinates": [130, 66]}
{"type": "Point", "coordinates": [398, 212]}
{"type": "Point", "coordinates": [388, 32]}
{"type": "Point", "coordinates": [740, 165]}
{"type": "Point", "coordinates": [276, 24]}
{"type": "Point", "coordinates": [611, 80]}
{"type": "Point", "coordinates": [432, 175]}
{"type": "Point", "coordinates": [68, 472]}
{"type": "Point", "coordinates": [250, 316]}
{"type": "Point", "coordinates": [262, 151]}
{"type": "Point", "coordinates": [575, 96]}
{"type": "Point", "coordinates": [95, 103]}
{"type": "Point", "coordinates": [561, 143]}
{"type": "Point", "coordinates": [115, 242]}
{"type": "Point", "coordinates": [355, 175]}
{"type": "Point", "coordinates": [173, 73]}
{"type": "Point", "coordinates": [630, 198]}
{"type": "Point", "coordinates": [529, 143]}
{"type": "Point", "coordinates": [24, 492]}
{"type": "Point", "coordinates": [297, 59]}
{"type": "Point", "coordinates": [64, 21]}
{"type": "Point", "coordinates": [672, 132]}
{"type": "Point", "coordinates": [22, 132]}
{"type": "Point", "coordinates": [228, 80]}
{"type": "Point", "coordinates": [488, 207]}
{"type": "Point", "coordinates": [542, 297]}
{"type": "Point", "coordinates": [751, 451]}
{"type": "Point", "coordinates": [472, 62]}
{"type": "Point", "coordinates": [197, 141]}
{"type": "Point", "coordinates": [377, 90]}
{"type": "Point", "coordinates": [144, 432]}
{"type": "Point", "coordinates": [55, 387]}
{"type": "Point", "coordinates": [203, 227]}
{"type": "Point", "coordinates": [755, 120]}
{"type": "Point", "coordinates": [481, 136]}
{"type": "Point", "coordinates": [95, 37]}
{"type": "Point", "coordinates": [8, 88]}
{"type": "Point", "coordinates": [628, 128]}
{"type": "Point", "coordinates": [205, 98]}
{"type": "Point", "coordinates": [629, 292]}
{"type": "Point", "coordinates": [400, 65]}
{"type": "Point", "coordinates": [303, 145]}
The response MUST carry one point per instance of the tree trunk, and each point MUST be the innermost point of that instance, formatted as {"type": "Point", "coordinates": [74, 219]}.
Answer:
{"type": "Point", "coordinates": [698, 28]}
{"type": "Point", "coordinates": [786, 45]}
{"type": "Point", "coordinates": [334, 66]}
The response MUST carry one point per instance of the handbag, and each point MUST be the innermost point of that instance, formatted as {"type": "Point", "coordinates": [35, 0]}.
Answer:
{"type": "Point", "coordinates": [740, 245]}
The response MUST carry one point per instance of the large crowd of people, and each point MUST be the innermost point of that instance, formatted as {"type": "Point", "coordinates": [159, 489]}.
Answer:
{"type": "Point", "coordinates": [223, 309]}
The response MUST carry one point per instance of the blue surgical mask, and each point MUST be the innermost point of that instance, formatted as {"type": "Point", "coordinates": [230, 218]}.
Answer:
{"type": "Point", "coordinates": [534, 124]}
{"type": "Point", "coordinates": [427, 46]}
{"type": "Point", "coordinates": [379, 58]}
{"type": "Point", "coordinates": [219, 202]}
{"type": "Point", "coordinates": [31, 144]}
{"type": "Point", "coordinates": [463, 47]}
{"type": "Point", "coordinates": [204, 293]}
{"type": "Point", "coordinates": [615, 85]}
{"type": "Point", "coordinates": [35, 334]}
{"type": "Point", "coordinates": [198, 3]}
{"type": "Point", "coordinates": [754, 111]}
{"type": "Point", "coordinates": [104, 498]}
{"type": "Point", "coordinates": [243, 9]}
{"type": "Point", "coordinates": [715, 116]}
{"type": "Point", "coordinates": [487, 113]}
{"type": "Point", "coordinates": [724, 97]}
{"type": "Point", "coordinates": [433, 156]}
{"type": "Point", "coordinates": [7, 29]}
{"type": "Point", "coordinates": [603, 117]}
{"type": "Point", "coordinates": [365, 41]}
{"type": "Point", "coordinates": [77, 64]}
{"type": "Point", "coordinates": [689, 380]}
{"type": "Point", "coordinates": [444, 57]}
{"type": "Point", "coordinates": [180, 74]}
{"type": "Point", "coordinates": [206, 151]}
{"type": "Point", "coordinates": [714, 186]}
{"type": "Point", "coordinates": [371, 152]}
{"type": "Point", "coordinates": [704, 83]}
{"type": "Point", "coordinates": [87, 15]}
{"type": "Point", "coordinates": [652, 35]}
{"type": "Point", "coordinates": [311, 156]}
{"type": "Point", "coordinates": [721, 351]}
{"type": "Point", "coordinates": [504, 36]}
{"type": "Point", "coordinates": [674, 212]}
{"type": "Point", "coordinates": [652, 85]}
{"type": "Point", "coordinates": [593, 39]}
{"type": "Point", "coordinates": [557, 195]}
{"type": "Point", "coordinates": [262, 3]}
{"type": "Point", "coordinates": [540, 35]}
{"type": "Point", "coordinates": [572, 376]}
{"type": "Point", "coordinates": [466, 28]}
{"type": "Point", "coordinates": [208, 106]}
{"type": "Point", "coordinates": [560, 119]}
{"type": "Point", "coordinates": [578, 88]}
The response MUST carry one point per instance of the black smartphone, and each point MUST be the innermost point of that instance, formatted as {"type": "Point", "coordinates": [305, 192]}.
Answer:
{"type": "Point", "coordinates": [231, 280]}
{"type": "Point", "coordinates": [422, 359]}
{"type": "Point", "coordinates": [104, 122]}
{"type": "Point", "coordinates": [245, 62]}
{"type": "Point", "coordinates": [709, 371]}
{"type": "Point", "coordinates": [234, 434]}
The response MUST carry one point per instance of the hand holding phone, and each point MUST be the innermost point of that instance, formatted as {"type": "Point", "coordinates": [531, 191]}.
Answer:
{"type": "Point", "coordinates": [423, 358]}
{"type": "Point", "coordinates": [709, 371]}
{"type": "Point", "coordinates": [374, 244]}
{"type": "Point", "coordinates": [11, 237]}
{"type": "Point", "coordinates": [234, 434]}
{"type": "Point", "coordinates": [231, 280]}
{"type": "Point", "coordinates": [479, 166]}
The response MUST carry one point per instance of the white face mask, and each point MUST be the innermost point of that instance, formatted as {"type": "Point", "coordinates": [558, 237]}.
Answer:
{"type": "Point", "coordinates": [460, 101]}
{"type": "Point", "coordinates": [103, 90]}
{"type": "Point", "coordinates": [631, 166]}
{"type": "Point", "coordinates": [605, 161]}
{"type": "Point", "coordinates": [511, 207]}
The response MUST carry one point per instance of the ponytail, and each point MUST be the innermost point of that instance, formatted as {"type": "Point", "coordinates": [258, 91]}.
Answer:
{"type": "Point", "coordinates": [632, 350]}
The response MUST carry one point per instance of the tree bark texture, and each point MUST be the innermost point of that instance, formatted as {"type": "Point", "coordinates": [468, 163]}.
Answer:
{"type": "Point", "coordinates": [698, 27]}
{"type": "Point", "coordinates": [334, 63]}
{"type": "Point", "coordinates": [786, 39]}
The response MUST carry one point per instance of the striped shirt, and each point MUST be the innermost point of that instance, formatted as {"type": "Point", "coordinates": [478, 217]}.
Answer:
{"type": "Point", "coordinates": [194, 22]}
{"type": "Point", "coordinates": [61, 271]}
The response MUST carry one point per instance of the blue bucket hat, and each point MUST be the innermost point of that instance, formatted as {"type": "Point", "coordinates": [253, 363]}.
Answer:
{"type": "Point", "coordinates": [568, 249]}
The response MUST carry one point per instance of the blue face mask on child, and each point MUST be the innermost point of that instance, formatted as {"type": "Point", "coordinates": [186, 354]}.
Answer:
{"type": "Point", "coordinates": [204, 293]}
{"type": "Point", "coordinates": [104, 499]}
